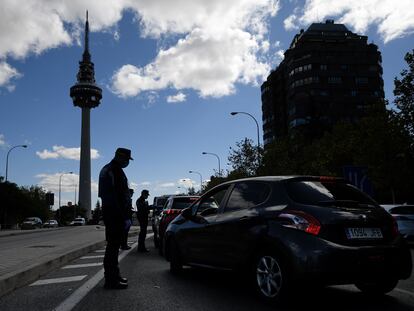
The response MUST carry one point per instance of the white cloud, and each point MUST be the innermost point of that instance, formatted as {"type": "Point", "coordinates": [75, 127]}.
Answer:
{"type": "Point", "coordinates": [167, 185]}
{"type": "Point", "coordinates": [50, 182]}
{"type": "Point", "coordinates": [64, 153]}
{"type": "Point", "coordinates": [179, 97]}
{"type": "Point", "coordinates": [2, 140]}
{"type": "Point", "coordinates": [393, 19]}
{"type": "Point", "coordinates": [8, 73]}
{"type": "Point", "coordinates": [221, 46]}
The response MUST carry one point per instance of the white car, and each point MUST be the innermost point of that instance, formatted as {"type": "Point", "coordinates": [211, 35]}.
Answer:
{"type": "Point", "coordinates": [404, 215]}
{"type": "Point", "coordinates": [79, 221]}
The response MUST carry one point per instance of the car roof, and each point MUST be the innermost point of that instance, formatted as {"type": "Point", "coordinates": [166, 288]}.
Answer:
{"type": "Point", "coordinates": [288, 178]}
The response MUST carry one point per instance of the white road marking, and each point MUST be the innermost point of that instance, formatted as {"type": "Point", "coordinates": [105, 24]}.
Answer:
{"type": "Point", "coordinates": [93, 257]}
{"type": "Point", "coordinates": [405, 292]}
{"type": "Point", "coordinates": [59, 280]}
{"type": "Point", "coordinates": [85, 265]}
{"type": "Point", "coordinates": [70, 302]}
{"type": "Point", "coordinates": [100, 251]}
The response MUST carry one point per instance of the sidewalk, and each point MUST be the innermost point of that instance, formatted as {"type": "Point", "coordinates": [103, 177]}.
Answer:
{"type": "Point", "coordinates": [25, 255]}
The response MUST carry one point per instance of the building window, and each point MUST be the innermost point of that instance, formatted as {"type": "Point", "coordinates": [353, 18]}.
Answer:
{"type": "Point", "coordinates": [334, 80]}
{"type": "Point", "coordinates": [324, 93]}
{"type": "Point", "coordinates": [324, 67]}
{"type": "Point", "coordinates": [299, 121]}
{"type": "Point", "coordinates": [353, 93]}
{"type": "Point", "coordinates": [361, 80]}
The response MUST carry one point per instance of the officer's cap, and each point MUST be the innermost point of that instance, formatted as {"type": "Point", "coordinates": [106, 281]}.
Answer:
{"type": "Point", "coordinates": [124, 152]}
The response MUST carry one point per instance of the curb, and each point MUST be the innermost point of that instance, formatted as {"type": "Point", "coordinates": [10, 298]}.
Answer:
{"type": "Point", "coordinates": [21, 278]}
{"type": "Point", "coordinates": [17, 279]}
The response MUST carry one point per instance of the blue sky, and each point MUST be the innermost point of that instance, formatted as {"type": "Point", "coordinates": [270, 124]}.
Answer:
{"type": "Point", "coordinates": [171, 73]}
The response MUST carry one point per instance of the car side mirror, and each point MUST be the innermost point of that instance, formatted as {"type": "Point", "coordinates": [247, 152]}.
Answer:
{"type": "Point", "coordinates": [187, 213]}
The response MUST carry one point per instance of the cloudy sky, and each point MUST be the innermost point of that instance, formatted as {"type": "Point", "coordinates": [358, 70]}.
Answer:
{"type": "Point", "coordinates": [171, 73]}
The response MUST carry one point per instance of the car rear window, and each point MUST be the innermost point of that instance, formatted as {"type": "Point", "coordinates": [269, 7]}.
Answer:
{"type": "Point", "coordinates": [182, 203]}
{"type": "Point", "coordinates": [403, 210]}
{"type": "Point", "coordinates": [317, 193]}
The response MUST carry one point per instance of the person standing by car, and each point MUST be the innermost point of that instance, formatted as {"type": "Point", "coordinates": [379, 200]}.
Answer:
{"type": "Point", "coordinates": [114, 193]}
{"type": "Point", "coordinates": [142, 216]}
{"type": "Point", "coordinates": [124, 245]}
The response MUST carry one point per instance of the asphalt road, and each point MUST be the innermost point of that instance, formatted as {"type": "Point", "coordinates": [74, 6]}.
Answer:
{"type": "Point", "coordinates": [152, 287]}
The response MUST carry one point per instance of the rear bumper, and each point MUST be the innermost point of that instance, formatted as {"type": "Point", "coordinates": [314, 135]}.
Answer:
{"type": "Point", "coordinates": [329, 263]}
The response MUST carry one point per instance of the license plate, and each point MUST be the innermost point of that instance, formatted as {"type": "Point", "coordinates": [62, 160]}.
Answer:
{"type": "Point", "coordinates": [363, 233]}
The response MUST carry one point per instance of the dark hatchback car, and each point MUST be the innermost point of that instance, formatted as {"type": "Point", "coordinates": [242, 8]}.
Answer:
{"type": "Point", "coordinates": [284, 231]}
{"type": "Point", "coordinates": [172, 208]}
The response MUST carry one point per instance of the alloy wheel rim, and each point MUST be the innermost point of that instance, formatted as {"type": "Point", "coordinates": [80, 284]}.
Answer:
{"type": "Point", "coordinates": [269, 276]}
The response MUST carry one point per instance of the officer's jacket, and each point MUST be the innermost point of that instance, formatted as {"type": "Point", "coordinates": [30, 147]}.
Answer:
{"type": "Point", "coordinates": [114, 193]}
{"type": "Point", "coordinates": [142, 206]}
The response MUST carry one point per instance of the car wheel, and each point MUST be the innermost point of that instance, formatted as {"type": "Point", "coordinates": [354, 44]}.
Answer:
{"type": "Point", "coordinates": [269, 277]}
{"type": "Point", "coordinates": [377, 287]}
{"type": "Point", "coordinates": [175, 259]}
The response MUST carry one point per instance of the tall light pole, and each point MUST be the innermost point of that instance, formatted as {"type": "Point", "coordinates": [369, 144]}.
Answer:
{"type": "Point", "coordinates": [217, 159]}
{"type": "Point", "coordinates": [60, 186]}
{"type": "Point", "coordinates": [7, 157]}
{"type": "Point", "coordinates": [201, 179]}
{"type": "Point", "coordinates": [257, 125]}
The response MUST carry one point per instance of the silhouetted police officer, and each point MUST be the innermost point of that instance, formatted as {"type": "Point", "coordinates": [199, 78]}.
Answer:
{"type": "Point", "coordinates": [142, 216]}
{"type": "Point", "coordinates": [114, 193]}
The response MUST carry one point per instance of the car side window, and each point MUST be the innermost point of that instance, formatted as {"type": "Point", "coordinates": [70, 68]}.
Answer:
{"type": "Point", "coordinates": [246, 195]}
{"type": "Point", "coordinates": [210, 204]}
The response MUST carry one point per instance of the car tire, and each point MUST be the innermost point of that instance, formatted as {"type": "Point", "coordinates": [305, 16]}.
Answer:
{"type": "Point", "coordinates": [269, 277]}
{"type": "Point", "coordinates": [175, 258]}
{"type": "Point", "coordinates": [377, 287]}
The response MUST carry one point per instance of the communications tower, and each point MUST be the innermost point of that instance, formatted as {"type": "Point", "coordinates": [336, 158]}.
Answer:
{"type": "Point", "coordinates": [86, 95]}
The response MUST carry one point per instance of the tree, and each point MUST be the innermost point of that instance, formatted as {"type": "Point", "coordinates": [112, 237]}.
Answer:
{"type": "Point", "coordinates": [245, 159]}
{"type": "Point", "coordinates": [404, 94]}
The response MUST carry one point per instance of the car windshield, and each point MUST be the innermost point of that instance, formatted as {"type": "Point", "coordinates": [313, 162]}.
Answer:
{"type": "Point", "coordinates": [161, 201]}
{"type": "Point", "coordinates": [181, 203]}
{"type": "Point", "coordinates": [78, 219]}
{"type": "Point", "coordinates": [328, 194]}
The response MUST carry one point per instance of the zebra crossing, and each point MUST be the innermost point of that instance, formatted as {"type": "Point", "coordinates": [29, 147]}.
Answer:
{"type": "Point", "coordinates": [95, 259]}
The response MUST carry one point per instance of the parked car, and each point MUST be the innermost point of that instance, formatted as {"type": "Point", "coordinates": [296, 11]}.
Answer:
{"type": "Point", "coordinates": [157, 207]}
{"type": "Point", "coordinates": [172, 208]}
{"type": "Point", "coordinates": [404, 215]}
{"type": "Point", "coordinates": [283, 231]}
{"type": "Point", "coordinates": [31, 223]}
{"type": "Point", "coordinates": [52, 223]}
{"type": "Point", "coordinates": [78, 221]}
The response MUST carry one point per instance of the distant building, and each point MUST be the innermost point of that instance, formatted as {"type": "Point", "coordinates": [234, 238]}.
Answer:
{"type": "Point", "coordinates": [328, 74]}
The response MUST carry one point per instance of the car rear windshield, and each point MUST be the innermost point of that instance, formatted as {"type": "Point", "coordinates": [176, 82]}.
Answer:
{"type": "Point", "coordinates": [328, 193]}
{"type": "Point", "coordinates": [403, 210]}
{"type": "Point", "coordinates": [182, 203]}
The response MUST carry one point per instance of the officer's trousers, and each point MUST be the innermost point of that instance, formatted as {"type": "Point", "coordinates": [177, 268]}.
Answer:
{"type": "Point", "coordinates": [143, 224]}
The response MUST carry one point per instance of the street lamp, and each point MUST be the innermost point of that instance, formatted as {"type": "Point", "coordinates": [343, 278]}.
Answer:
{"type": "Point", "coordinates": [257, 125]}
{"type": "Point", "coordinates": [217, 159]}
{"type": "Point", "coordinates": [201, 179]}
{"type": "Point", "coordinates": [60, 186]}
{"type": "Point", "coordinates": [7, 157]}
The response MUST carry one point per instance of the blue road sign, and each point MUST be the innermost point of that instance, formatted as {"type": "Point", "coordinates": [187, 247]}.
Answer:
{"type": "Point", "coordinates": [358, 176]}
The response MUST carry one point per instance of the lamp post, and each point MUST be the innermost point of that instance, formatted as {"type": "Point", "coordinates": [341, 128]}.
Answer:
{"type": "Point", "coordinates": [201, 179]}
{"type": "Point", "coordinates": [60, 186]}
{"type": "Point", "coordinates": [7, 157]}
{"type": "Point", "coordinates": [217, 159]}
{"type": "Point", "coordinates": [257, 125]}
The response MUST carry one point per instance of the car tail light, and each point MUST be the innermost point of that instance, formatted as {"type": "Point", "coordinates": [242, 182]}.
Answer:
{"type": "Point", "coordinates": [395, 232]}
{"type": "Point", "coordinates": [301, 221]}
{"type": "Point", "coordinates": [173, 212]}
